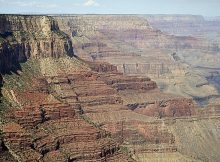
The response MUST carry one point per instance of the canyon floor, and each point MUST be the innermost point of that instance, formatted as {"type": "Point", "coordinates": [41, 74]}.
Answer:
{"type": "Point", "coordinates": [107, 88]}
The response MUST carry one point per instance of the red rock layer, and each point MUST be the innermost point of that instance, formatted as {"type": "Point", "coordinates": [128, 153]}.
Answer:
{"type": "Point", "coordinates": [97, 95]}
{"type": "Point", "coordinates": [50, 130]}
{"type": "Point", "coordinates": [169, 108]}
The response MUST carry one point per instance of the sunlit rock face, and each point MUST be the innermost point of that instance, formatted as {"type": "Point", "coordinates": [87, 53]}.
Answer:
{"type": "Point", "coordinates": [137, 46]}
{"type": "Point", "coordinates": [24, 37]}
{"type": "Point", "coordinates": [35, 116]}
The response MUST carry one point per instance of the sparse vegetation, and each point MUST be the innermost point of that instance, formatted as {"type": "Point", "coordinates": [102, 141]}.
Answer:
{"type": "Point", "coordinates": [4, 105]}
{"type": "Point", "coordinates": [23, 79]}
{"type": "Point", "coordinates": [19, 82]}
{"type": "Point", "coordinates": [87, 119]}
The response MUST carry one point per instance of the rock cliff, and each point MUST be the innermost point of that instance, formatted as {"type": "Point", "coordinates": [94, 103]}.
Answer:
{"type": "Point", "coordinates": [40, 124]}
{"type": "Point", "coordinates": [24, 37]}
{"type": "Point", "coordinates": [137, 47]}
{"type": "Point", "coordinates": [131, 30]}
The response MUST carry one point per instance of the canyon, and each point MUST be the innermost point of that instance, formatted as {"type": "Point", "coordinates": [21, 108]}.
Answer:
{"type": "Point", "coordinates": [138, 48]}
{"type": "Point", "coordinates": [105, 88]}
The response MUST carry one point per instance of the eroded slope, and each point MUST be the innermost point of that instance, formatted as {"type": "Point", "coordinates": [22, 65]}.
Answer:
{"type": "Point", "coordinates": [136, 48]}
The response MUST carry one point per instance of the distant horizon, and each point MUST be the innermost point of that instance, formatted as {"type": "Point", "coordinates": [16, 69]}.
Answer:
{"type": "Point", "coordinates": [112, 7]}
{"type": "Point", "coordinates": [126, 14]}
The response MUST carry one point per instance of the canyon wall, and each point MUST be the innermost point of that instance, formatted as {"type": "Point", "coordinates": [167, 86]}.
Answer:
{"type": "Point", "coordinates": [134, 30]}
{"type": "Point", "coordinates": [23, 37]}
{"type": "Point", "coordinates": [136, 47]}
{"type": "Point", "coordinates": [181, 25]}
{"type": "Point", "coordinates": [186, 25]}
{"type": "Point", "coordinates": [37, 123]}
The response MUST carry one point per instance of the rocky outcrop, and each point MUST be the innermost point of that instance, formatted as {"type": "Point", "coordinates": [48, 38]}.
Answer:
{"type": "Point", "coordinates": [47, 129]}
{"type": "Point", "coordinates": [20, 140]}
{"type": "Point", "coordinates": [131, 30]}
{"type": "Point", "coordinates": [102, 67]}
{"type": "Point", "coordinates": [138, 47]}
{"type": "Point", "coordinates": [96, 93]}
{"type": "Point", "coordinates": [122, 82]}
{"type": "Point", "coordinates": [212, 110]}
{"type": "Point", "coordinates": [169, 108]}
{"type": "Point", "coordinates": [58, 118]}
{"type": "Point", "coordinates": [23, 37]}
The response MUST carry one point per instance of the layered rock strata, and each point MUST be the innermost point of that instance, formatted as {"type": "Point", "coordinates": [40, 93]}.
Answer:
{"type": "Point", "coordinates": [76, 115]}
{"type": "Point", "coordinates": [138, 48]}
{"type": "Point", "coordinates": [98, 97]}
{"type": "Point", "coordinates": [50, 130]}
{"type": "Point", "coordinates": [43, 127]}
{"type": "Point", "coordinates": [23, 37]}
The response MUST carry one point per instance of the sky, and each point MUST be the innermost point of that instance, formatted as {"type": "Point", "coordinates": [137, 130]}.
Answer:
{"type": "Point", "coordinates": [193, 7]}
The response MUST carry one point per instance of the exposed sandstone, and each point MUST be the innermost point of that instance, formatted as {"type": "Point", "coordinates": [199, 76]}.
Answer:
{"type": "Point", "coordinates": [102, 67]}
{"type": "Point", "coordinates": [138, 48]}
{"type": "Point", "coordinates": [133, 30]}
{"type": "Point", "coordinates": [23, 37]}
{"type": "Point", "coordinates": [48, 129]}
{"type": "Point", "coordinates": [121, 82]}
{"type": "Point", "coordinates": [170, 108]}
{"type": "Point", "coordinates": [146, 137]}
{"type": "Point", "coordinates": [19, 141]}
